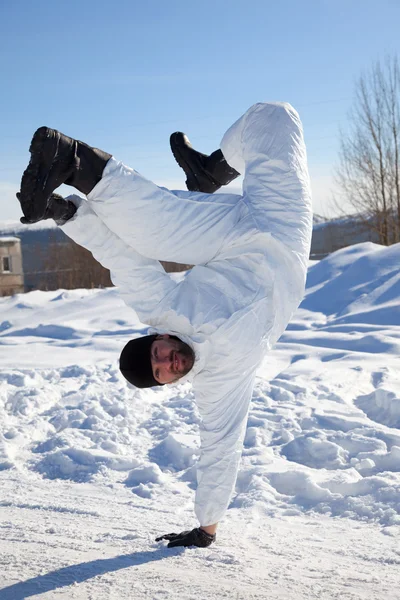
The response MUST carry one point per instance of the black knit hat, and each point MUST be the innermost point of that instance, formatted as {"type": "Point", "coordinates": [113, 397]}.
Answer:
{"type": "Point", "coordinates": [135, 362]}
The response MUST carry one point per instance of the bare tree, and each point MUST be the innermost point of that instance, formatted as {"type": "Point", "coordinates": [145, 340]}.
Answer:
{"type": "Point", "coordinates": [368, 173]}
{"type": "Point", "coordinates": [69, 266]}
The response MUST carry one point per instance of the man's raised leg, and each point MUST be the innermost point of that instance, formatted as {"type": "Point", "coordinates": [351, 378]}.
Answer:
{"type": "Point", "coordinates": [267, 145]}
{"type": "Point", "coordinates": [155, 222]}
{"type": "Point", "coordinates": [160, 224]}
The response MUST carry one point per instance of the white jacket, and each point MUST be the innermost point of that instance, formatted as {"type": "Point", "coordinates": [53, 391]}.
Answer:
{"type": "Point", "coordinates": [250, 254]}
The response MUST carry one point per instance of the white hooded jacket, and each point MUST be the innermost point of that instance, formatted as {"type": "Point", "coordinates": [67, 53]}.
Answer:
{"type": "Point", "coordinates": [250, 253]}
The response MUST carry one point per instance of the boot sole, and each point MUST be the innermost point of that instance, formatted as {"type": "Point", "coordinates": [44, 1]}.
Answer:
{"type": "Point", "coordinates": [33, 182]}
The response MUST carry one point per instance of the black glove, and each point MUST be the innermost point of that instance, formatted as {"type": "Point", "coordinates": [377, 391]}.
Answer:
{"type": "Point", "coordinates": [58, 209]}
{"type": "Point", "coordinates": [196, 537]}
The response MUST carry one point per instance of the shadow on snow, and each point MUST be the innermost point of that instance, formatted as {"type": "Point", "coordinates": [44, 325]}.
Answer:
{"type": "Point", "coordinates": [80, 573]}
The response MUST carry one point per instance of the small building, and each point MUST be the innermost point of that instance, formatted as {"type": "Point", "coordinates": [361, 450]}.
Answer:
{"type": "Point", "coordinates": [11, 271]}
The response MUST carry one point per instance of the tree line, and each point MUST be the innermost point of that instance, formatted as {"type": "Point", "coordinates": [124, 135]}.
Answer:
{"type": "Point", "coordinates": [67, 265]}
{"type": "Point", "coordinates": [368, 172]}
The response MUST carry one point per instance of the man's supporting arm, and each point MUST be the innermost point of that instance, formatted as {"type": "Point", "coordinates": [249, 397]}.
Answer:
{"type": "Point", "coordinates": [222, 432]}
{"type": "Point", "coordinates": [224, 420]}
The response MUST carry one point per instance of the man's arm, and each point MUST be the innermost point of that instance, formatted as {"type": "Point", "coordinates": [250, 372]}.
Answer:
{"type": "Point", "coordinates": [223, 427]}
{"type": "Point", "coordinates": [142, 282]}
{"type": "Point", "coordinates": [224, 419]}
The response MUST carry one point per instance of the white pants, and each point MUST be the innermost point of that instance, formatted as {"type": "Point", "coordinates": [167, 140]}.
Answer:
{"type": "Point", "coordinates": [266, 145]}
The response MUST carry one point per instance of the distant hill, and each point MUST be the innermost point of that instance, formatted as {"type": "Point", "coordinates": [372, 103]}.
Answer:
{"type": "Point", "coordinates": [330, 235]}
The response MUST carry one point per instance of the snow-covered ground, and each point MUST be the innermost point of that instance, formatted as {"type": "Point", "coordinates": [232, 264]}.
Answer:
{"type": "Point", "coordinates": [91, 471]}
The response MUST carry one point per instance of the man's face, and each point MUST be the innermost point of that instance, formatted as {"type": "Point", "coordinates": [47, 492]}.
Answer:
{"type": "Point", "coordinates": [171, 359]}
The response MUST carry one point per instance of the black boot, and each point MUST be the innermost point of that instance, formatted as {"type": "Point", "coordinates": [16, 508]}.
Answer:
{"type": "Point", "coordinates": [204, 173]}
{"type": "Point", "coordinates": [58, 208]}
{"type": "Point", "coordinates": [57, 159]}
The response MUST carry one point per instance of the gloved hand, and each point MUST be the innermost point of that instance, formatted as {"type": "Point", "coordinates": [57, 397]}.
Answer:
{"type": "Point", "coordinates": [196, 537]}
{"type": "Point", "coordinates": [58, 208]}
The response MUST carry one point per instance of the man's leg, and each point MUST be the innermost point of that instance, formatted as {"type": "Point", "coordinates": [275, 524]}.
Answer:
{"type": "Point", "coordinates": [157, 223]}
{"type": "Point", "coordinates": [267, 145]}
{"type": "Point", "coordinates": [160, 224]}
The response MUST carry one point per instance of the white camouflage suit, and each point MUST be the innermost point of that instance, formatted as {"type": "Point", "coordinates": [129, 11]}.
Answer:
{"type": "Point", "coordinates": [250, 256]}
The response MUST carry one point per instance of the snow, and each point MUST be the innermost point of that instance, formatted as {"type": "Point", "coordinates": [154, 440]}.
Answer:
{"type": "Point", "coordinates": [92, 470]}
{"type": "Point", "coordinates": [16, 227]}
{"type": "Point", "coordinates": [8, 239]}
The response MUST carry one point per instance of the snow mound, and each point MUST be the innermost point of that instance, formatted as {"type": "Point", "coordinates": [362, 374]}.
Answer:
{"type": "Point", "coordinates": [176, 452]}
{"type": "Point", "coordinates": [356, 280]}
{"type": "Point", "coordinates": [382, 406]}
{"type": "Point", "coordinates": [323, 434]}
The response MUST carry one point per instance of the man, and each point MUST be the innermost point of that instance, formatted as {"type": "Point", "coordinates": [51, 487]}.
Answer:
{"type": "Point", "coordinates": [249, 253]}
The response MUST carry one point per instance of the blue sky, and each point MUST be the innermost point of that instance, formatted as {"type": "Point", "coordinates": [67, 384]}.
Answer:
{"type": "Point", "coordinates": [123, 76]}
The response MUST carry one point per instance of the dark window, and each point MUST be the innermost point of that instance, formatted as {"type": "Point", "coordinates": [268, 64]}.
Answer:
{"type": "Point", "coordinates": [7, 264]}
